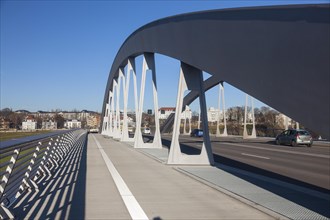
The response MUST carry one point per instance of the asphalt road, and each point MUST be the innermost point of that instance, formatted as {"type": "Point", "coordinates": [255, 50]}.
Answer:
{"type": "Point", "coordinates": [308, 167]}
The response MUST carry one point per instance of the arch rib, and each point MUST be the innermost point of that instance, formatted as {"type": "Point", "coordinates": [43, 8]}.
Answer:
{"type": "Point", "coordinates": [257, 50]}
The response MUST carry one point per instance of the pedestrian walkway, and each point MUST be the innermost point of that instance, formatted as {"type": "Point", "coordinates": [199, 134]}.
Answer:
{"type": "Point", "coordinates": [288, 200]}
{"type": "Point", "coordinates": [100, 180]}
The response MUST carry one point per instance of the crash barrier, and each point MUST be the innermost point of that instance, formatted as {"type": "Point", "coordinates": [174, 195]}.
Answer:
{"type": "Point", "coordinates": [23, 165]}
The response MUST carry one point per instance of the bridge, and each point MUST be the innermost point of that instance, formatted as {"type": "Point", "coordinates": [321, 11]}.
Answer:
{"type": "Point", "coordinates": [118, 175]}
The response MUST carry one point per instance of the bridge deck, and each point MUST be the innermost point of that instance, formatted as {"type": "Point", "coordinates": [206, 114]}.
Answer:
{"type": "Point", "coordinates": [83, 188]}
{"type": "Point", "coordinates": [106, 179]}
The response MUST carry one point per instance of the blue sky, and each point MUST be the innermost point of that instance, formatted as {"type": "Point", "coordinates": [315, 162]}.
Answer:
{"type": "Point", "coordinates": [57, 54]}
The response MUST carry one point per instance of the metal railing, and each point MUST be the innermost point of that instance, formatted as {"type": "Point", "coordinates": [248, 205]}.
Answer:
{"type": "Point", "coordinates": [22, 164]}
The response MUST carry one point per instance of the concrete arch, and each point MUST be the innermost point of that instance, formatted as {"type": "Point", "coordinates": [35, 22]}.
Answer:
{"type": "Point", "coordinates": [279, 54]}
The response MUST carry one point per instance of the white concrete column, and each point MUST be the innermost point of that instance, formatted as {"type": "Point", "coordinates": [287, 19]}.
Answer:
{"type": "Point", "coordinates": [130, 71]}
{"type": "Point", "coordinates": [148, 64]}
{"type": "Point", "coordinates": [192, 79]}
{"type": "Point", "coordinates": [120, 94]}
{"type": "Point", "coordinates": [105, 120]}
{"type": "Point", "coordinates": [222, 98]}
{"type": "Point", "coordinates": [245, 134]}
{"type": "Point", "coordinates": [111, 118]}
{"type": "Point", "coordinates": [185, 123]}
{"type": "Point", "coordinates": [115, 106]}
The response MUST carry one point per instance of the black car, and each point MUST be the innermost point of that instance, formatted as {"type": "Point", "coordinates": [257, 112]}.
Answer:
{"type": "Point", "coordinates": [196, 133]}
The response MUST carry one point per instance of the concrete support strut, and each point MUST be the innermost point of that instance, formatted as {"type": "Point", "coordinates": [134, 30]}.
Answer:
{"type": "Point", "coordinates": [148, 64]}
{"type": "Point", "coordinates": [111, 114]}
{"type": "Point", "coordinates": [185, 132]}
{"type": "Point", "coordinates": [222, 98]}
{"type": "Point", "coordinates": [106, 120]}
{"type": "Point", "coordinates": [191, 79]}
{"type": "Point", "coordinates": [245, 133]}
{"type": "Point", "coordinates": [130, 71]}
{"type": "Point", "coordinates": [117, 127]}
{"type": "Point", "coordinates": [120, 93]}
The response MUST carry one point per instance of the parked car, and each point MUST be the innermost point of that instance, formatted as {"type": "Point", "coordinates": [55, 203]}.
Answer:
{"type": "Point", "coordinates": [295, 137]}
{"type": "Point", "coordinates": [146, 131]}
{"type": "Point", "coordinates": [196, 133]}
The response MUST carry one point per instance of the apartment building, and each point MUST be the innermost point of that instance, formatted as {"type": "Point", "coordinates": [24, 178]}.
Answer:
{"type": "Point", "coordinates": [29, 123]}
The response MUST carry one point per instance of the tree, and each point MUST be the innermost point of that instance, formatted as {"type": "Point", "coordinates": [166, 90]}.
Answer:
{"type": "Point", "coordinates": [6, 112]}
{"type": "Point", "coordinates": [59, 120]}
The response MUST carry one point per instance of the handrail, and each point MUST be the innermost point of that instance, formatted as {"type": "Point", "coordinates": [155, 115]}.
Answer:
{"type": "Point", "coordinates": [24, 162]}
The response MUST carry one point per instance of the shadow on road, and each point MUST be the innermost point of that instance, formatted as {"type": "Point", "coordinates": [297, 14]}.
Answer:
{"type": "Point", "coordinates": [61, 196]}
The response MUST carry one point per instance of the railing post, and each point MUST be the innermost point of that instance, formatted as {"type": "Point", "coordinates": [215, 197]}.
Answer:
{"type": "Point", "coordinates": [52, 156]}
{"type": "Point", "coordinates": [27, 182]}
{"type": "Point", "coordinates": [43, 164]}
{"type": "Point", "coordinates": [9, 171]}
{"type": "Point", "coordinates": [4, 211]}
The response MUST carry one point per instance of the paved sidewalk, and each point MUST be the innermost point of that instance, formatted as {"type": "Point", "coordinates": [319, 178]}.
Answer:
{"type": "Point", "coordinates": [165, 193]}
{"type": "Point", "coordinates": [281, 199]}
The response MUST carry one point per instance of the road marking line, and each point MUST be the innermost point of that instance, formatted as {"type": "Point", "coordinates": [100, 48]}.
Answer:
{"type": "Point", "coordinates": [252, 155]}
{"type": "Point", "coordinates": [278, 150]}
{"type": "Point", "coordinates": [131, 203]}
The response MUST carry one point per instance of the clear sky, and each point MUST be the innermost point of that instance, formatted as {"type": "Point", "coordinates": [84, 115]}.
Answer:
{"type": "Point", "coordinates": [57, 54]}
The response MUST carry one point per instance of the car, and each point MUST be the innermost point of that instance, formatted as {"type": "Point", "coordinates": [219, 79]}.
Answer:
{"type": "Point", "coordinates": [196, 133]}
{"type": "Point", "coordinates": [146, 131]}
{"type": "Point", "coordinates": [294, 137]}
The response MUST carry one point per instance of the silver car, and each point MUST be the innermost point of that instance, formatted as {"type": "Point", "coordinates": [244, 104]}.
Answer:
{"type": "Point", "coordinates": [294, 137]}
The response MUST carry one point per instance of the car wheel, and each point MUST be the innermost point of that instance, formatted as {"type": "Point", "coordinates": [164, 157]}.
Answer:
{"type": "Point", "coordinates": [309, 145]}
{"type": "Point", "coordinates": [278, 142]}
{"type": "Point", "coordinates": [293, 143]}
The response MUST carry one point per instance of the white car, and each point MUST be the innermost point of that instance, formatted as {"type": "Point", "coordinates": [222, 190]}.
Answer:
{"type": "Point", "coordinates": [146, 131]}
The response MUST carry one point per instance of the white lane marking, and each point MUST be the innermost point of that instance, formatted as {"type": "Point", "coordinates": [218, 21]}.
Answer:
{"type": "Point", "coordinates": [252, 155]}
{"type": "Point", "coordinates": [279, 150]}
{"type": "Point", "coordinates": [131, 203]}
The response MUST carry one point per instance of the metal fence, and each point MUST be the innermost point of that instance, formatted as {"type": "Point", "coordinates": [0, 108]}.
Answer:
{"type": "Point", "coordinates": [22, 164]}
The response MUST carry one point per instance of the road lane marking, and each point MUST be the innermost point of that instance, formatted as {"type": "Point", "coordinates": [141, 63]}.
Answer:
{"type": "Point", "coordinates": [131, 203]}
{"type": "Point", "coordinates": [279, 150]}
{"type": "Point", "coordinates": [252, 155]}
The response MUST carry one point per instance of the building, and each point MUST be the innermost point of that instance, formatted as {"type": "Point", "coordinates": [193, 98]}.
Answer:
{"type": "Point", "coordinates": [165, 112]}
{"type": "Point", "coordinates": [4, 123]}
{"type": "Point", "coordinates": [49, 125]}
{"type": "Point", "coordinates": [71, 124]}
{"type": "Point", "coordinates": [29, 123]}
{"type": "Point", "coordinates": [93, 121]}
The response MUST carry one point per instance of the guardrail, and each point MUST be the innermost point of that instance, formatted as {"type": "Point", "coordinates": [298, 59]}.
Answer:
{"type": "Point", "coordinates": [24, 163]}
